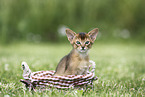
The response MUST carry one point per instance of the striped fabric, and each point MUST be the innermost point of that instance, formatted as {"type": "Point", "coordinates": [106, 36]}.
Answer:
{"type": "Point", "coordinates": [45, 79]}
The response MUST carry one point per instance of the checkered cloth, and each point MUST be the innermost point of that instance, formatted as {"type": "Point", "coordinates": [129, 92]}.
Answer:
{"type": "Point", "coordinates": [45, 79]}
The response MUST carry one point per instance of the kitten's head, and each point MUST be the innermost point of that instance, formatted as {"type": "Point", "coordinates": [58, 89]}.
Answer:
{"type": "Point", "coordinates": [82, 42]}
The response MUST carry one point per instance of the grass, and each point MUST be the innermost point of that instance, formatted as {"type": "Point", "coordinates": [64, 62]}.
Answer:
{"type": "Point", "coordinates": [119, 67]}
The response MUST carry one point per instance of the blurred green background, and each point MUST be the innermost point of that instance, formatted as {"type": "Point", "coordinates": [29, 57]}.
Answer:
{"type": "Point", "coordinates": [46, 20]}
{"type": "Point", "coordinates": [34, 31]}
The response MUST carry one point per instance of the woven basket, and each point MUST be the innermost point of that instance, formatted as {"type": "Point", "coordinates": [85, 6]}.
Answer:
{"type": "Point", "coordinates": [45, 79]}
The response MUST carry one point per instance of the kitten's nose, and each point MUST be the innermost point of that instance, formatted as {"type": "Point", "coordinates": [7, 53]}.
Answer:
{"type": "Point", "coordinates": [83, 47]}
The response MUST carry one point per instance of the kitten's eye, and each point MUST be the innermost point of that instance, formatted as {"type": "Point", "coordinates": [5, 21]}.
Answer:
{"type": "Point", "coordinates": [87, 42]}
{"type": "Point", "coordinates": [78, 42]}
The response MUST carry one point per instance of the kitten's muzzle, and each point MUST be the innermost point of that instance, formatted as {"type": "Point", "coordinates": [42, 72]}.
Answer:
{"type": "Point", "coordinates": [83, 49]}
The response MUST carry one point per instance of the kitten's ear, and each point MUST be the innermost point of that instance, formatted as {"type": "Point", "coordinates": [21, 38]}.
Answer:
{"type": "Point", "coordinates": [70, 34]}
{"type": "Point", "coordinates": [93, 34]}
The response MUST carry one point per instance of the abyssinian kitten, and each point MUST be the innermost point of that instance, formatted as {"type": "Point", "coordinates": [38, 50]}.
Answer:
{"type": "Point", "coordinates": [77, 61]}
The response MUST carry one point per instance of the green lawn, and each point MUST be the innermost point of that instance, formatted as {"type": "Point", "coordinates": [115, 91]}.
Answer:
{"type": "Point", "coordinates": [120, 68]}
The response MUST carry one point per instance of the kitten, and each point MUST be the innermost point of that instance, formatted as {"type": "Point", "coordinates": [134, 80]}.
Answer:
{"type": "Point", "coordinates": [77, 61]}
